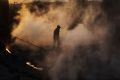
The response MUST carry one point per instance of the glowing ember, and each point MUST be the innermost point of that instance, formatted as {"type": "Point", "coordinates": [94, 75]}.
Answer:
{"type": "Point", "coordinates": [33, 66]}
{"type": "Point", "coordinates": [8, 50]}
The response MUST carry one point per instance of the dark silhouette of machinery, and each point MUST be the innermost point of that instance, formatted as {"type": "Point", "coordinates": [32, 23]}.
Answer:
{"type": "Point", "coordinates": [56, 36]}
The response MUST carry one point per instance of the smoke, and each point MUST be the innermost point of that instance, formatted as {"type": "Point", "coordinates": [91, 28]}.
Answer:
{"type": "Point", "coordinates": [97, 60]}
{"type": "Point", "coordinates": [43, 22]}
{"type": "Point", "coordinates": [22, 1]}
{"type": "Point", "coordinates": [19, 1]}
{"type": "Point", "coordinates": [85, 37]}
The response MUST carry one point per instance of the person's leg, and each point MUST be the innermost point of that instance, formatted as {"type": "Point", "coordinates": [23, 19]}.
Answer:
{"type": "Point", "coordinates": [54, 43]}
{"type": "Point", "coordinates": [58, 43]}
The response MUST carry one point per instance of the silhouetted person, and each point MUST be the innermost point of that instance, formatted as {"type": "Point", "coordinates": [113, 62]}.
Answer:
{"type": "Point", "coordinates": [56, 36]}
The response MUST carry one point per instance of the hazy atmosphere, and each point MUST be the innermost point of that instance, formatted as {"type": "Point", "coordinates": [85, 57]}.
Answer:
{"type": "Point", "coordinates": [60, 40]}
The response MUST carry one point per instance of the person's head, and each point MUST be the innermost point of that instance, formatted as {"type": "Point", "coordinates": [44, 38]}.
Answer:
{"type": "Point", "coordinates": [58, 26]}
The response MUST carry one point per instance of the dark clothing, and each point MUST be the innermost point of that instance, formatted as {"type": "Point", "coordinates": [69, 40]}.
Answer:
{"type": "Point", "coordinates": [56, 37]}
{"type": "Point", "coordinates": [56, 33]}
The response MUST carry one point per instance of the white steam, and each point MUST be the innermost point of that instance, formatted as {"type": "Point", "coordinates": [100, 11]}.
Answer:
{"type": "Point", "coordinates": [91, 29]}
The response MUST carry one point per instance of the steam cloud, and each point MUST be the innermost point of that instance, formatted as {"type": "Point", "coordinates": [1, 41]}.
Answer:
{"type": "Point", "coordinates": [85, 36]}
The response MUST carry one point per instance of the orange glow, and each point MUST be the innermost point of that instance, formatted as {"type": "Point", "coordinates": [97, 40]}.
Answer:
{"type": "Point", "coordinates": [19, 1]}
{"type": "Point", "coordinates": [25, 1]}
